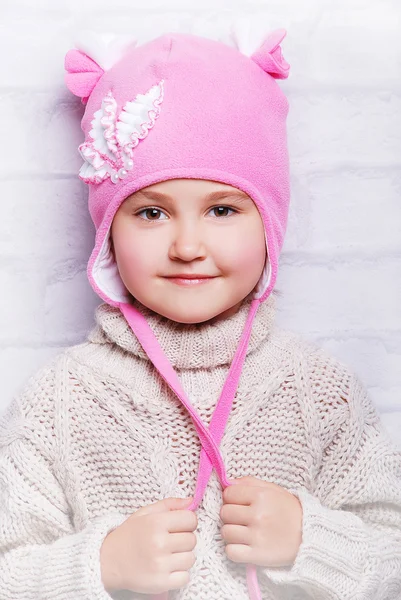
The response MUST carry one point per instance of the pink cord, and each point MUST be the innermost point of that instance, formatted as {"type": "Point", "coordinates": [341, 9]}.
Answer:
{"type": "Point", "coordinates": [210, 437]}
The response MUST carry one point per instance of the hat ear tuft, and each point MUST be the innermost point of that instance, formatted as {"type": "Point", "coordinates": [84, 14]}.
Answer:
{"type": "Point", "coordinates": [269, 56]}
{"type": "Point", "coordinates": [82, 73]}
{"type": "Point", "coordinates": [94, 53]}
{"type": "Point", "coordinates": [260, 43]}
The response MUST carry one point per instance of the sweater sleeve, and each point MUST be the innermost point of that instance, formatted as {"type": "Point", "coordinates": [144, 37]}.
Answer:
{"type": "Point", "coordinates": [41, 555]}
{"type": "Point", "coordinates": [351, 532]}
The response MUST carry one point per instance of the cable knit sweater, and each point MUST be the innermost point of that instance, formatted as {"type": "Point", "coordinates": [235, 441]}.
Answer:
{"type": "Point", "coordinates": [96, 433]}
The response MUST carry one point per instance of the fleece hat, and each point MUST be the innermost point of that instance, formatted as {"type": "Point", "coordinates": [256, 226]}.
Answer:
{"type": "Point", "coordinates": [184, 106]}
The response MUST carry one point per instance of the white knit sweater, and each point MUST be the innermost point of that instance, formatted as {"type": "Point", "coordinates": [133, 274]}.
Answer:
{"type": "Point", "coordinates": [96, 434]}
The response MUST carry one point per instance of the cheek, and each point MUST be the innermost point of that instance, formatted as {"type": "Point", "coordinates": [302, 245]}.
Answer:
{"type": "Point", "coordinates": [251, 258]}
{"type": "Point", "coordinates": [136, 254]}
{"type": "Point", "coordinates": [244, 251]}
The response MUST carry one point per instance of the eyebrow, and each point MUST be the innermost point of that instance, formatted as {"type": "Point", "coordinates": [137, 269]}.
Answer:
{"type": "Point", "coordinates": [212, 197]}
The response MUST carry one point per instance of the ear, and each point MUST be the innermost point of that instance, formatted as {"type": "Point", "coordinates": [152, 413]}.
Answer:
{"type": "Point", "coordinates": [104, 48]}
{"type": "Point", "coordinates": [253, 39]}
{"type": "Point", "coordinates": [94, 53]}
{"type": "Point", "coordinates": [269, 56]}
{"type": "Point", "coordinates": [82, 74]}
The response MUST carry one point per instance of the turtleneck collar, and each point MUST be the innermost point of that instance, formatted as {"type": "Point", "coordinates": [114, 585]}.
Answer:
{"type": "Point", "coordinates": [187, 346]}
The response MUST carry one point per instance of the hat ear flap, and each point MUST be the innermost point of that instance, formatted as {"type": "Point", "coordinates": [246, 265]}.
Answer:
{"type": "Point", "coordinates": [82, 75]}
{"type": "Point", "coordinates": [269, 56]}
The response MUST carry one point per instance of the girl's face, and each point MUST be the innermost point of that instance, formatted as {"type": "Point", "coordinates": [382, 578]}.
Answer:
{"type": "Point", "coordinates": [183, 227]}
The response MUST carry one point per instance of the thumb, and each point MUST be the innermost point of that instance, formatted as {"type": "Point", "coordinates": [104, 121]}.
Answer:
{"type": "Point", "coordinates": [177, 503]}
{"type": "Point", "coordinates": [165, 504]}
{"type": "Point", "coordinates": [250, 480]}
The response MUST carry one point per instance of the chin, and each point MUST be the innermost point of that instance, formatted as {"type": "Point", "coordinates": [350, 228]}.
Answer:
{"type": "Point", "coordinates": [189, 315]}
{"type": "Point", "coordinates": [183, 310]}
{"type": "Point", "coordinates": [191, 318]}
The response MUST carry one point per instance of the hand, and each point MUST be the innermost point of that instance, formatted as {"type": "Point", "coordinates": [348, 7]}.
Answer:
{"type": "Point", "coordinates": [151, 551]}
{"type": "Point", "coordinates": [262, 523]}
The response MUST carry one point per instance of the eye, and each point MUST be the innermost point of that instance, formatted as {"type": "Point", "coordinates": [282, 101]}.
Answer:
{"type": "Point", "coordinates": [150, 211]}
{"type": "Point", "coordinates": [223, 208]}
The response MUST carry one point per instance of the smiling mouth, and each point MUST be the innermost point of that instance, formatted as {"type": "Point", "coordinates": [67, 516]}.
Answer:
{"type": "Point", "coordinates": [190, 281]}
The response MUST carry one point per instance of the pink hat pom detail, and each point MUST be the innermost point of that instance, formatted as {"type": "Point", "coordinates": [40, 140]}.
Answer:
{"type": "Point", "coordinates": [269, 56]}
{"type": "Point", "coordinates": [83, 74]}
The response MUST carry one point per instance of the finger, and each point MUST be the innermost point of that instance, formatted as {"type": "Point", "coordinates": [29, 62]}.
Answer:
{"type": "Point", "coordinates": [181, 521]}
{"type": "Point", "coordinates": [182, 542]}
{"type": "Point", "coordinates": [240, 494]}
{"type": "Point", "coordinates": [249, 480]}
{"type": "Point", "coordinates": [236, 514]}
{"type": "Point", "coordinates": [236, 534]}
{"type": "Point", "coordinates": [239, 553]}
{"type": "Point", "coordinates": [181, 561]}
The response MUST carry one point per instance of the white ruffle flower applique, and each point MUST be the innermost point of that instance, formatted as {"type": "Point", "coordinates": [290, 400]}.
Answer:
{"type": "Point", "coordinates": [108, 151]}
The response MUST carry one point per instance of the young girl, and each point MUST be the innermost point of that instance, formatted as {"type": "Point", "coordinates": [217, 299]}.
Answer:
{"type": "Point", "coordinates": [190, 449]}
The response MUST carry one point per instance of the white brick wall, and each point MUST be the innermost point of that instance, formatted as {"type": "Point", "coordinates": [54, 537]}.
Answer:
{"type": "Point", "coordinates": [340, 270]}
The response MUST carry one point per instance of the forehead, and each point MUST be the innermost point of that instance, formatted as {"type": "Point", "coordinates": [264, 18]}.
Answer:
{"type": "Point", "coordinates": [196, 185]}
{"type": "Point", "coordinates": [183, 188]}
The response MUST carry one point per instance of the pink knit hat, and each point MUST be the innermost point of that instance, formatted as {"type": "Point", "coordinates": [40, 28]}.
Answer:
{"type": "Point", "coordinates": [183, 106]}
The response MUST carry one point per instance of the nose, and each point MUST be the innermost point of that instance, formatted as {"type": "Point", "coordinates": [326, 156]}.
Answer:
{"type": "Point", "coordinates": [187, 242]}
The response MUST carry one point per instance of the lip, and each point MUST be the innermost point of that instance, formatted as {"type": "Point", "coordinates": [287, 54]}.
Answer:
{"type": "Point", "coordinates": [189, 276]}
{"type": "Point", "coordinates": [190, 280]}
